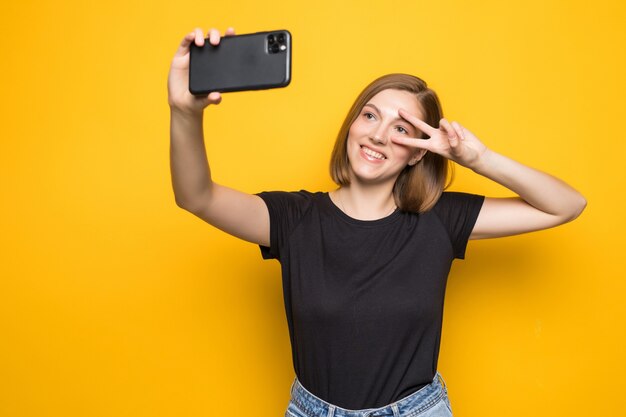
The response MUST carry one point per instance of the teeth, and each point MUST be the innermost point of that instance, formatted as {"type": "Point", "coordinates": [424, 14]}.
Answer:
{"type": "Point", "coordinates": [372, 153]}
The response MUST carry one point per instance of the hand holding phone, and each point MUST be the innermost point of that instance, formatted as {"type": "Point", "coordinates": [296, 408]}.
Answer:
{"type": "Point", "coordinates": [252, 61]}
{"type": "Point", "coordinates": [179, 97]}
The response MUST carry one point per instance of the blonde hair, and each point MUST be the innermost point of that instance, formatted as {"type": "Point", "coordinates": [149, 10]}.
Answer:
{"type": "Point", "coordinates": [418, 187]}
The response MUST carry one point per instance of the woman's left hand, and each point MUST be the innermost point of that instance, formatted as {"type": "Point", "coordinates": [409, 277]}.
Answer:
{"type": "Point", "coordinates": [451, 141]}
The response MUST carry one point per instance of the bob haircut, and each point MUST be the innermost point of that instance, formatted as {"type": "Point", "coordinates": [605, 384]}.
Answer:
{"type": "Point", "coordinates": [417, 187]}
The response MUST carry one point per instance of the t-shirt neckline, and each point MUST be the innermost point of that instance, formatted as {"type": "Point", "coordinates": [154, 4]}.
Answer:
{"type": "Point", "coordinates": [337, 212]}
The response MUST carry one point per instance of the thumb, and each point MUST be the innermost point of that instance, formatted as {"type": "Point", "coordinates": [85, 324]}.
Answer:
{"type": "Point", "coordinates": [214, 98]}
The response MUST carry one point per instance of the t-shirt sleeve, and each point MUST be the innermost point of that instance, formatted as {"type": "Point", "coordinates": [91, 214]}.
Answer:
{"type": "Point", "coordinates": [286, 210]}
{"type": "Point", "coordinates": [458, 213]}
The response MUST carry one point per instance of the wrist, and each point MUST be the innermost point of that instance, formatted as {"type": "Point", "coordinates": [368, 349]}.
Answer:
{"type": "Point", "coordinates": [185, 113]}
{"type": "Point", "coordinates": [483, 161]}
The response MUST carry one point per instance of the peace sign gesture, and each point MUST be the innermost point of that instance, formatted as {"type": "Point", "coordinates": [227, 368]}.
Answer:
{"type": "Point", "coordinates": [451, 141]}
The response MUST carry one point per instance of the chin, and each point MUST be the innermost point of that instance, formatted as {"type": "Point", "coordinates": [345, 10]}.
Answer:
{"type": "Point", "coordinates": [371, 178]}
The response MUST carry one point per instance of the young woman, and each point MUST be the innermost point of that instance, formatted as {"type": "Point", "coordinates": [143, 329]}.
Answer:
{"type": "Point", "coordinates": [365, 266]}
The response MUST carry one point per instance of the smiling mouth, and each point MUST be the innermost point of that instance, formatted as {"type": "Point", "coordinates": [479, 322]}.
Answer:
{"type": "Point", "coordinates": [373, 154]}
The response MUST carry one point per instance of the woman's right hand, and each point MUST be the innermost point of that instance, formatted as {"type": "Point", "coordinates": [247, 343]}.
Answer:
{"type": "Point", "coordinates": [179, 97]}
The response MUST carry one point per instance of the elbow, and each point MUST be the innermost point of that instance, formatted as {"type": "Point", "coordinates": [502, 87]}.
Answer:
{"type": "Point", "coordinates": [577, 208]}
{"type": "Point", "coordinates": [192, 201]}
{"type": "Point", "coordinates": [580, 206]}
{"type": "Point", "coordinates": [195, 205]}
{"type": "Point", "coordinates": [183, 204]}
{"type": "Point", "coordinates": [179, 204]}
{"type": "Point", "coordinates": [583, 205]}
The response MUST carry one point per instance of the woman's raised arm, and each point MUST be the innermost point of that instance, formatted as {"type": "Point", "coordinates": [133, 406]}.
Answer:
{"type": "Point", "coordinates": [239, 214]}
{"type": "Point", "coordinates": [544, 201]}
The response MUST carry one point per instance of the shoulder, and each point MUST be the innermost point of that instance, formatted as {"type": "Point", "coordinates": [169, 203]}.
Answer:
{"type": "Point", "coordinates": [457, 200]}
{"type": "Point", "coordinates": [288, 197]}
{"type": "Point", "coordinates": [292, 202]}
{"type": "Point", "coordinates": [452, 197]}
{"type": "Point", "coordinates": [457, 212]}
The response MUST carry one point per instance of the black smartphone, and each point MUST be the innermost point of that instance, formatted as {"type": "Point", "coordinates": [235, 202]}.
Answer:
{"type": "Point", "coordinates": [253, 61]}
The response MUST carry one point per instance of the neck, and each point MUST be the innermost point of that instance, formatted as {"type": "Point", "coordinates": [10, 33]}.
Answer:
{"type": "Point", "coordinates": [369, 202]}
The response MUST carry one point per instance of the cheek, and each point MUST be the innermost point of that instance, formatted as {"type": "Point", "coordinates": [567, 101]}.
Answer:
{"type": "Point", "coordinates": [353, 135]}
{"type": "Point", "coordinates": [358, 128]}
{"type": "Point", "coordinates": [401, 153]}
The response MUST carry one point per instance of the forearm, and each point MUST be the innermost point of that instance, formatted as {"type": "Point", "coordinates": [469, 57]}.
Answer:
{"type": "Point", "coordinates": [543, 191]}
{"type": "Point", "coordinates": [191, 176]}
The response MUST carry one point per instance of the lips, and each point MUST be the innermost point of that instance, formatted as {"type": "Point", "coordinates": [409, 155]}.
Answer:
{"type": "Point", "coordinates": [372, 154]}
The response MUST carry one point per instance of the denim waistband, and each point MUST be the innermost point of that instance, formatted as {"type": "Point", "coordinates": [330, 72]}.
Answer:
{"type": "Point", "coordinates": [414, 403]}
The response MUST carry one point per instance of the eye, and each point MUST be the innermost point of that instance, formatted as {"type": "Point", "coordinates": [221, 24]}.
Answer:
{"type": "Point", "coordinates": [368, 115]}
{"type": "Point", "coordinates": [402, 130]}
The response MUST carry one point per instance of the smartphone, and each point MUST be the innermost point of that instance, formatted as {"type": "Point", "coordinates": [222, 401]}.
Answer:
{"type": "Point", "coordinates": [253, 61]}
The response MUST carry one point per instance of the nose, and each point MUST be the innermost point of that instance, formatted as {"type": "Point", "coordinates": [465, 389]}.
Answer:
{"type": "Point", "coordinates": [379, 136]}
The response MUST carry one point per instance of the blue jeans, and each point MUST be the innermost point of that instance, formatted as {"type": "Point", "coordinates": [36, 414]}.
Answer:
{"type": "Point", "coordinates": [429, 401]}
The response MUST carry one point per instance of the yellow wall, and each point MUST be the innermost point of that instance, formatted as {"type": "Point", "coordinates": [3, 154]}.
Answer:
{"type": "Point", "coordinates": [114, 302]}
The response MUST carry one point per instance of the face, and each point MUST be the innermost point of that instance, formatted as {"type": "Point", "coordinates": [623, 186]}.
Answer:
{"type": "Point", "coordinates": [373, 157]}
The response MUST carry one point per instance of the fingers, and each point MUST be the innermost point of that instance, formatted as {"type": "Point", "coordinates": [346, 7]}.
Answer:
{"type": "Point", "coordinates": [446, 127]}
{"type": "Point", "coordinates": [214, 37]}
{"type": "Point", "coordinates": [184, 44]}
{"type": "Point", "coordinates": [196, 36]}
{"type": "Point", "coordinates": [199, 37]}
{"type": "Point", "coordinates": [459, 130]}
{"type": "Point", "coordinates": [453, 137]}
{"type": "Point", "coordinates": [412, 142]}
{"type": "Point", "coordinates": [419, 124]}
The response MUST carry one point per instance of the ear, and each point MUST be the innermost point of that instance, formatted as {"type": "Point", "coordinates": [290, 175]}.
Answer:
{"type": "Point", "coordinates": [417, 157]}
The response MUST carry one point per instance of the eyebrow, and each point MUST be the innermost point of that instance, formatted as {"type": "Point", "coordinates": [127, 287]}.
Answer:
{"type": "Point", "coordinates": [395, 118]}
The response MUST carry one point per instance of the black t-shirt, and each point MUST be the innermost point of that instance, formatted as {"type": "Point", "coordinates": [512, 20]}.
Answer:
{"type": "Point", "coordinates": [364, 299]}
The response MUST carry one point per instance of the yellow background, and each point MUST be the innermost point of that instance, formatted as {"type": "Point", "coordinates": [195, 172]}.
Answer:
{"type": "Point", "coordinates": [115, 302]}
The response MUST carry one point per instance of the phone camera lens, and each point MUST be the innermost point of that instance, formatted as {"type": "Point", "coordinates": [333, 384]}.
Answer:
{"type": "Point", "coordinates": [271, 39]}
{"type": "Point", "coordinates": [281, 38]}
{"type": "Point", "coordinates": [274, 48]}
